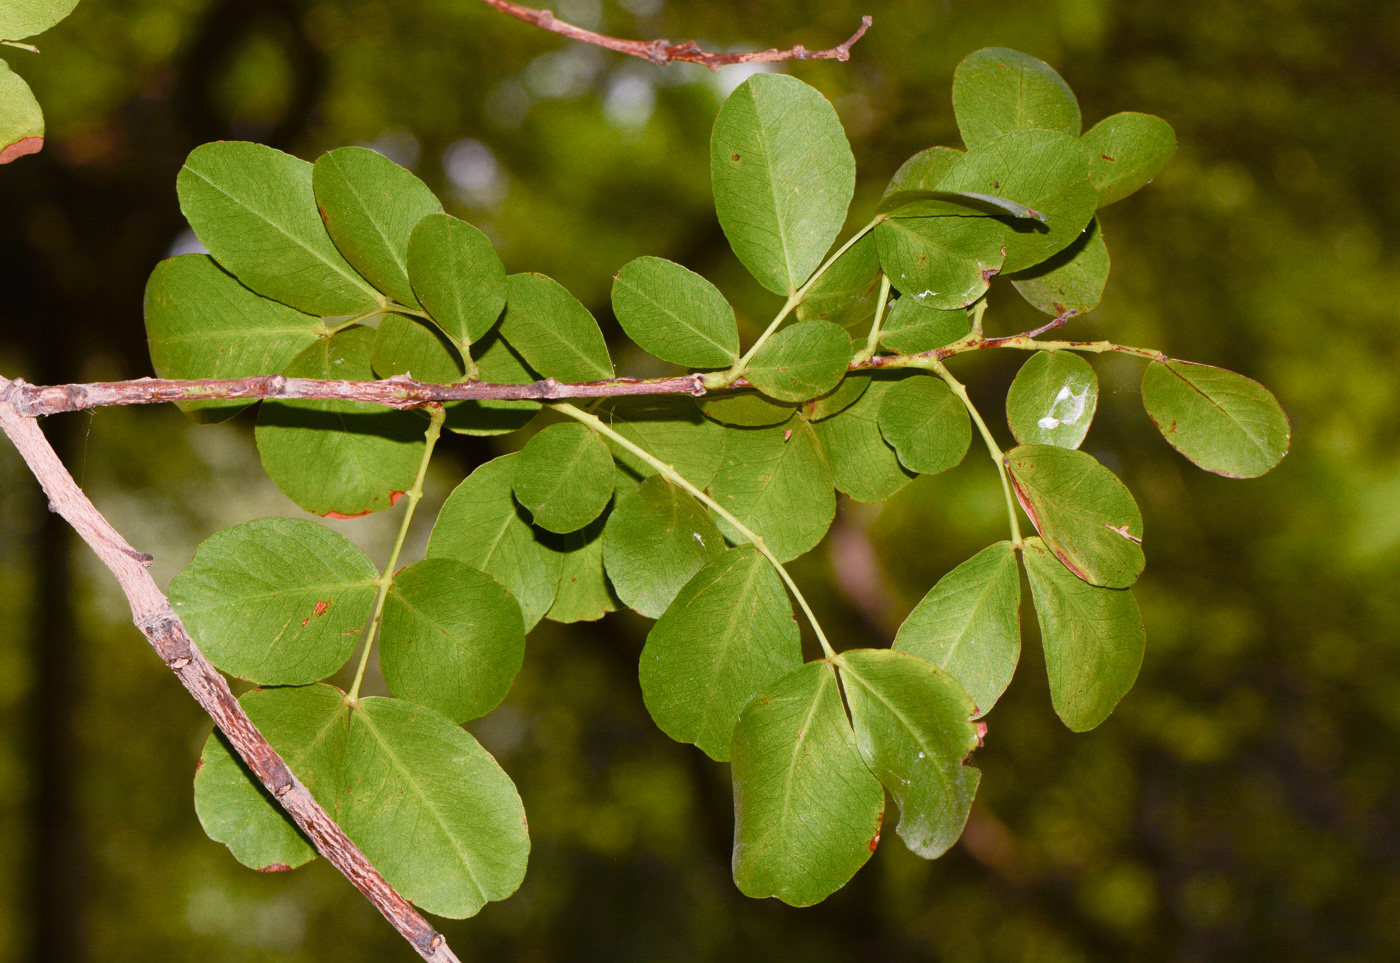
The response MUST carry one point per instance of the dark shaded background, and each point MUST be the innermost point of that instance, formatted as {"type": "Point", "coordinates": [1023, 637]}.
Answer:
{"type": "Point", "coordinates": [1240, 804]}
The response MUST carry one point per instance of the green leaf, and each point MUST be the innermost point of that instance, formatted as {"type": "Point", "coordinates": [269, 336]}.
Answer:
{"type": "Point", "coordinates": [863, 465]}
{"type": "Point", "coordinates": [1052, 400]}
{"type": "Point", "coordinates": [675, 314]}
{"type": "Point", "coordinates": [801, 361]}
{"type": "Point", "coordinates": [776, 481]}
{"type": "Point", "coordinates": [1222, 421]}
{"type": "Point", "coordinates": [25, 18]}
{"type": "Point", "coordinates": [553, 332]}
{"type": "Point", "coordinates": [21, 119]}
{"type": "Point", "coordinates": [745, 409]}
{"type": "Point", "coordinates": [1070, 282]}
{"type": "Point", "coordinates": [1125, 152]}
{"type": "Point", "coordinates": [457, 277]}
{"type": "Point", "coordinates": [254, 209]}
{"type": "Point", "coordinates": [729, 633]}
{"type": "Point", "coordinates": [969, 625]}
{"type": "Point", "coordinates": [370, 205]}
{"type": "Point", "coordinates": [911, 327]}
{"type": "Point", "coordinates": [276, 601]}
{"type": "Point", "coordinates": [452, 638]}
{"type": "Point", "coordinates": [783, 177]}
{"type": "Point", "coordinates": [913, 730]}
{"type": "Point", "coordinates": [1045, 170]}
{"type": "Point", "coordinates": [307, 726]}
{"type": "Point", "coordinates": [655, 540]}
{"type": "Point", "coordinates": [565, 477]}
{"type": "Point", "coordinates": [201, 323]}
{"type": "Point", "coordinates": [838, 399]}
{"type": "Point", "coordinates": [404, 346]}
{"type": "Point", "coordinates": [431, 809]}
{"type": "Point", "coordinates": [807, 811]}
{"type": "Point", "coordinates": [848, 290]}
{"type": "Point", "coordinates": [996, 91]}
{"type": "Point", "coordinates": [1093, 638]}
{"type": "Point", "coordinates": [942, 262]}
{"type": "Point", "coordinates": [1082, 511]}
{"type": "Point", "coordinates": [496, 363]}
{"type": "Point", "coordinates": [481, 524]}
{"type": "Point", "coordinates": [921, 203]}
{"type": "Point", "coordinates": [584, 594]}
{"type": "Point", "coordinates": [923, 171]}
{"type": "Point", "coordinates": [339, 458]}
{"type": "Point", "coordinates": [926, 423]}
{"type": "Point", "coordinates": [672, 429]}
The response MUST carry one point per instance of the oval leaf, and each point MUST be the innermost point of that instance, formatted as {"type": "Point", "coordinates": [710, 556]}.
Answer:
{"type": "Point", "coordinates": [25, 18]}
{"type": "Point", "coordinates": [969, 625]}
{"type": "Point", "coordinates": [1082, 511]}
{"type": "Point", "coordinates": [553, 332]}
{"type": "Point", "coordinates": [21, 119]}
{"type": "Point", "coordinates": [1222, 421]}
{"type": "Point", "coordinates": [776, 481]}
{"type": "Point", "coordinates": [276, 601]}
{"type": "Point", "coordinates": [746, 409]}
{"type": "Point", "coordinates": [675, 314]}
{"type": "Point", "coordinates": [656, 539]}
{"type": "Point", "coordinates": [996, 91]}
{"type": "Point", "coordinates": [848, 290]}
{"type": "Point", "coordinates": [370, 205]}
{"type": "Point", "coordinates": [807, 811]}
{"type": "Point", "coordinates": [481, 524]}
{"type": "Point", "coordinates": [1125, 152]}
{"type": "Point", "coordinates": [584, 594]}
{"type": "Point", "coordinates": [783, 177]}
{"type": "Point", "coordinates": [1070, 282]}
{"type": "Point", "coordinates": [729, 633]}
{"type": "Point", "coordinates": [452, 638]}
{"type": "Point", "coordinates": [923, 171]}
{"type": "Point", "coordinates": [457, 276]}
{"type": "Point", "coordinates": [863, 465]}
{"type": "Point", "coordinates": [911, 327]}
{"type": "Point", "coordinates": [913, 730]}
{"type": "Point", "coordinates": [565, 477]}
{"type": "Point", "coordinates": [801, 361]}
{"type": "Point", "coordinates": [1052, 400]}
{"type": "Point", "coordinates": [342, 458]}
{"type": "Point", "coordinates": [673, 430]}
{"type": "Point", "coordinates": [942, 262]}
{"type": "Point", "coordinates": [254, 209]}
{"type": "Point", "coordinates": [927, 425]}
{"type": "Point", "coordinates": [406, 346]}
{"type": "Point", "coordinates": [201, 323]}
{"type": "Point", "coordinates": [1093, 639]}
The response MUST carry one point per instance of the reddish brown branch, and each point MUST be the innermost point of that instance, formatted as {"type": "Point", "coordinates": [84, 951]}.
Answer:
{"type": "Point", "coordinates": [664, 52]}
{"type": "Point", "coordinates": [151, 612]}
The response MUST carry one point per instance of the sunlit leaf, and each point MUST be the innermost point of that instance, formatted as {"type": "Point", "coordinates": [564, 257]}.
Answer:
{"type": "Point", "coordinates": [923, 171]}
{"type": "Point", "coordinates": [729, 633]}
{"type": "Point", "coordinates": [783, 177]}
{"type": "Point", "coordinates": [565, 477]}
{"type": "Point", "coordinates": [254, 209]}
{"type": "Point", "coordinates": [1222, 421]}
{"type": "Point", "coordinates": [21, 119]}
{"type": "Point", "coordinates": [201, 323]}
{"type": "Point", "coordinates": [969, 624]}
{"type": "Point", "coordinates": [1072, 281]}
{"type": "Point", "coordinates": [942, 262]}
{"type": "Point", "coordinates": [340, 458]}
{"type": "Point", "coordinates": [276, 601]}
{"type": "Point", "coordinates": [801, 361]}
{"type": "Point", "coordinates": [1126, 151]}
{"type": "Point", "coordinates": [996, 91]}
{"type": "Point", "coordinates": [655, 540]}
{"type": "Point", "coordinates": [452, 638]}
{"type": "Point", "coordinates": [670, 428]}
{"type": "Point", "coordinates": [457, 277]}
{"type": "Point", "coordinates": [405, 346]}
{"type": "Point", "coordinates": [847, 291]}
{"type": "Point", "coordinates": [913, 730]}
{"type": "Point", "coordinates": [911, 327]}
{"type": "Point", "coordinates": [1083, 512]}
{"type": "Point", "coordinates": [1093, 638]}
{"type": "Point", "coordinates": [863, 465]}
{"type": "Point", "coordinates": [675, 314]}
{"type": "Point", "coordinates": [553, 332]}
{"type": "Point", "coordinates": [930, 203]}
{"type": "Point", "coordinates": [481, 524]}
{"type": "Point", "coordinates": [370, 205]}
{"type": "Point", "coordinates": [807, 811]}
{"type": "Point", "coordinates": [1052, 400]}
{"type": "Point", "coordinates": [926, 423]}
{"type": "Point", "coordinates": [25, 18]}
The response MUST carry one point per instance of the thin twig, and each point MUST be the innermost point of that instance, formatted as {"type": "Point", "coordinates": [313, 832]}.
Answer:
{"type": "Point", "coordinates": [151, 612]}
{"type": "Point", "coordinates": [664, 52]}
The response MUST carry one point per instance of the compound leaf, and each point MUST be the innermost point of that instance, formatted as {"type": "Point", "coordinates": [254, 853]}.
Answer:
{"type": "Point", "coordinates": [729, 633]}
{"type": "Point", "coordinates": [656, 539]}
{"type": "Point", "coordinates": [997, 91]}
{"type": "Point", "coordinates": [926, 423]}
{"type": "Point", "coordinates": [801, 361]}
{"type": "Point", "coordinates": [1052, 400]}
{"type": "Point", "coordinates": [276, 601]}
{"type": "Point", "coordinates": [1224, 422]}
{"type": "Point", "coordinates": [457, 276]}
{"type": "Point", "coordinates": [675, 314]}
{"type": "Point", "coordinates": [565, 477]}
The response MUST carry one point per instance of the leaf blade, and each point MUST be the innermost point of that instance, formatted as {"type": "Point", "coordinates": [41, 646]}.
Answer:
{"type": "Point", "coordinates": [1222, 421]}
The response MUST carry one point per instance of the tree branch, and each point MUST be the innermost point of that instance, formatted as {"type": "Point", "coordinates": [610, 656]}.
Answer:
{"type": "Point", "coordinates": [151, 612]}
{"type": "Point", "coordinates": [664, 52]}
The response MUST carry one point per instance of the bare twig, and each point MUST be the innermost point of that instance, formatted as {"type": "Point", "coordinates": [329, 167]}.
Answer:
{"type": "Point", "coordinates": [664, 52]}
{"type": "Point", "coordinates": [151, 612]}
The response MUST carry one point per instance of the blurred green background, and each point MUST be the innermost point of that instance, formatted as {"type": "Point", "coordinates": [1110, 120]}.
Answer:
{"type": "Point", "coordinates": [1242, 803]}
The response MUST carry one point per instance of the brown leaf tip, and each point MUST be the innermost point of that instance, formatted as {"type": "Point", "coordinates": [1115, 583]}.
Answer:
{"type": "Point", "coordinates": [25, 145]}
